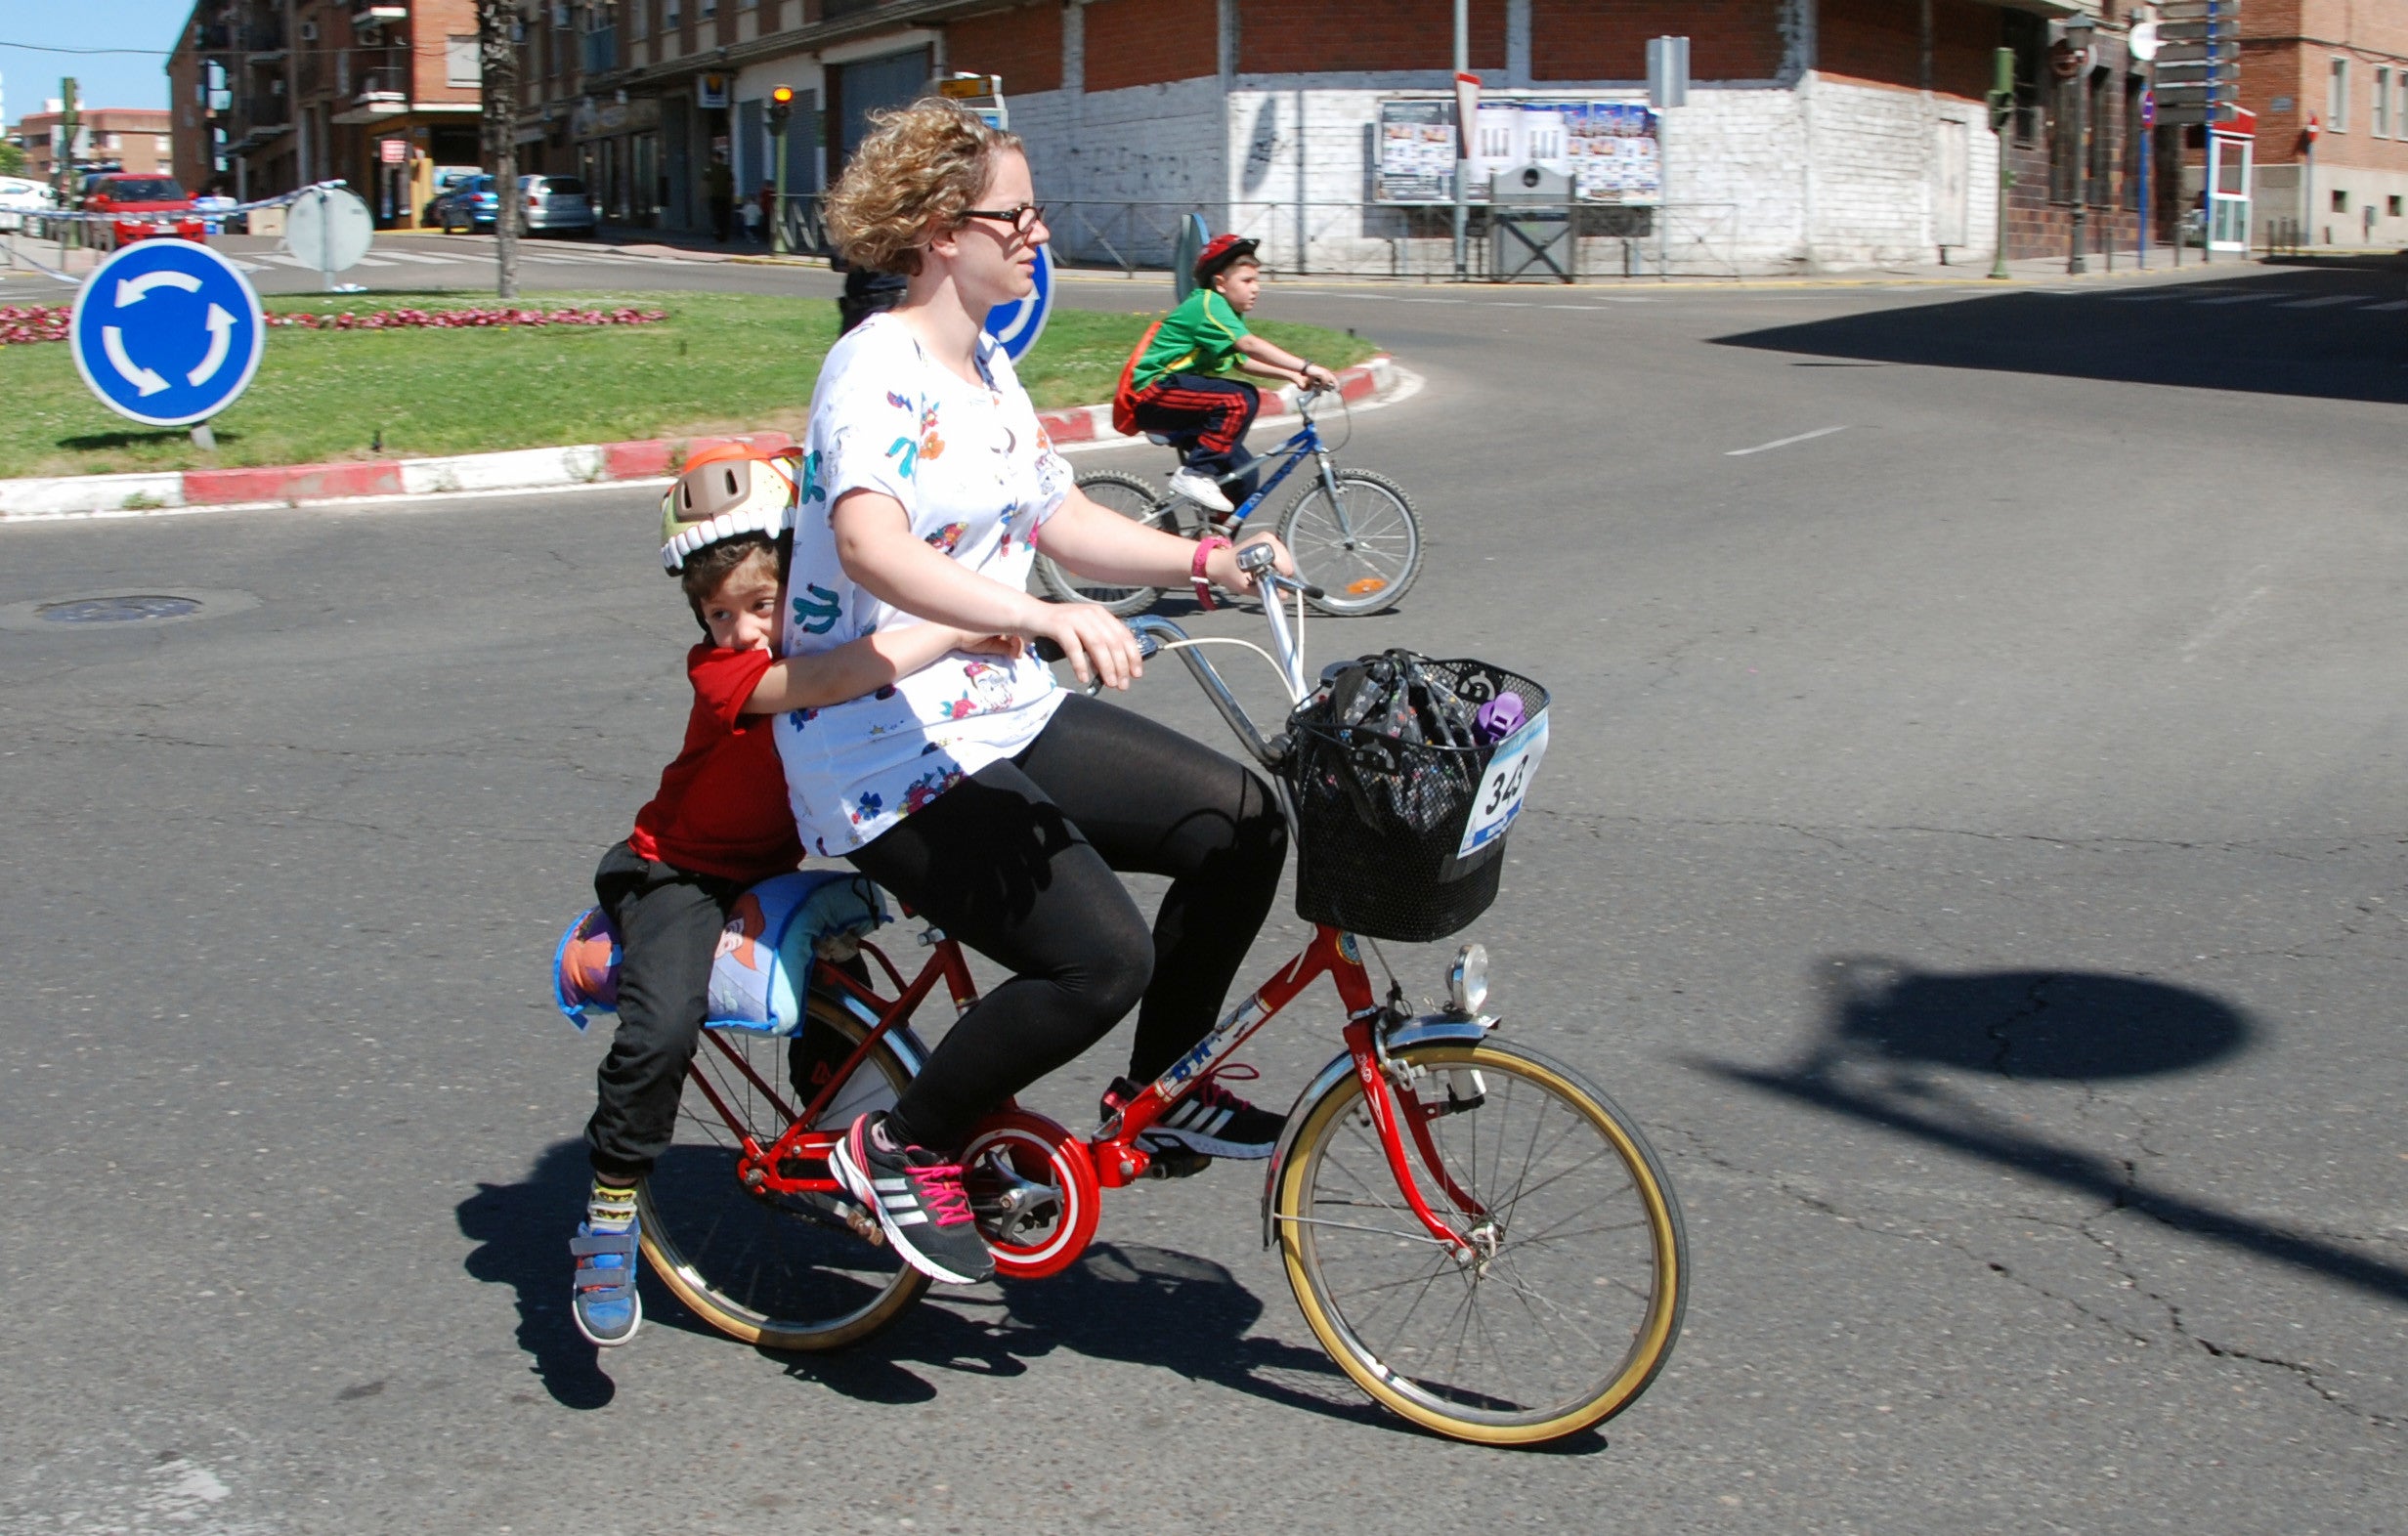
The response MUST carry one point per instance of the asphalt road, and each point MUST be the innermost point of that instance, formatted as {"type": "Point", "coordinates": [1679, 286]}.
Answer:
{"type": "Point", "coordinates": [1972, 846]}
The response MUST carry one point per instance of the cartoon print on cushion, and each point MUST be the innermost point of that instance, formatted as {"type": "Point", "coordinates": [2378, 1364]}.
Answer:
{"type": "Point", "coordinates": [745, 923]}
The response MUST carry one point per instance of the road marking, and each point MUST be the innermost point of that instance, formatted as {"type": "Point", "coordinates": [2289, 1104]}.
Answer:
{"type": "Point", "coordinates": [2395, 304]}
{"type": "Point", "coordinates": [374, 261]}
{"type": "Point", "coordinates": [2223, 621]}
{"type": "Point", "coordinates": [1803, 437]}
{"type": "Point", "coordinates": [428, 261]}
{"type": "Point", "coordinates": [2145, 298]}
{"type": "Point", "coordinates": [2235, 298]}
{"type": "Point", "coordinates": [2320, 301]}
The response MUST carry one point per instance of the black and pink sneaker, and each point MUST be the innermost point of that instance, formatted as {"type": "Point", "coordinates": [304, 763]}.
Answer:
{"type": "Point", "coordinates": [919, 1201]}
{"type": "Point", "coordinates": [1208, 1119]}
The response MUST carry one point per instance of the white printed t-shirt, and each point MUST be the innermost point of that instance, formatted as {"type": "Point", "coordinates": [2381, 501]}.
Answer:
{"type": "Point", "coordinates": [978, 476]}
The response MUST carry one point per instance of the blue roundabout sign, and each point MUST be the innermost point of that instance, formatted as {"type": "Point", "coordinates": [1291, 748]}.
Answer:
{"type": "Point", "coordinates": [167, 332]}
{"type": "Point", "coordinates": [1016, 326]}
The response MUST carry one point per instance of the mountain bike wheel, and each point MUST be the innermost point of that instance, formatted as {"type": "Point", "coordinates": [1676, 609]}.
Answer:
{"type": "Point", "coordinates": [1577, 1299]}
{"type": "Point", "coordinates": [781, 1271]}
{"type": "Point", "coordinates": [1363, 562]}
{"type": "Point", "coordinates": [1134, 498]}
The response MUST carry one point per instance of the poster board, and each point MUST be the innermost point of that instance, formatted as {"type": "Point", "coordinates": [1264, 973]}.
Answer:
{"type": "Point", "coordinates": [1609, 149]}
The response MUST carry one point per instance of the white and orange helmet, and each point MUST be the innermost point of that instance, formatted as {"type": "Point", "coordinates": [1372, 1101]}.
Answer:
{"type": "Point", "coordinates": [725, 491]}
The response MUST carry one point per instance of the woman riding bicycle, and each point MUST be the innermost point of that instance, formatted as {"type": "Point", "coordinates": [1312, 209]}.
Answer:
{"type": "Point", "coordinates": [978, 791]}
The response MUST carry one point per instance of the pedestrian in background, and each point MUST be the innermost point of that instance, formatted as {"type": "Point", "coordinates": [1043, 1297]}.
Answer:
{"type": "Point", "coordinates": [719, 195]}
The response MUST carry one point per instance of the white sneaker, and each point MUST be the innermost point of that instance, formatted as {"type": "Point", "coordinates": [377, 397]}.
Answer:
{"type": "Point", "coordinates": [1198, 487]}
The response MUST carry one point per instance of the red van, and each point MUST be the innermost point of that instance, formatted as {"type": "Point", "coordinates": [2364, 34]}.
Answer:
{"type": "Point", "coordinates": [144, 207]}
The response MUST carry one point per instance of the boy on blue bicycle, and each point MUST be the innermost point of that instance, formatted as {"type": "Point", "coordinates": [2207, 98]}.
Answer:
{"type": "Point", "coordinates": [1175, 381]}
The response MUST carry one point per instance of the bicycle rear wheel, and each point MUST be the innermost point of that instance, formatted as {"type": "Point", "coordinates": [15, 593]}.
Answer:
{"type": "Point", "coordinates": [1573, 1305]}
{"type": "Point", "coordinates": [781, 1271]}
{"type": "Point", "coordinates": [1364, 560]}
{"type": "Point", "coordinates": [1136, 498]}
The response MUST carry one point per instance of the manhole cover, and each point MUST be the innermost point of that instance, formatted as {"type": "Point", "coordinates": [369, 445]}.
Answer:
{"type": "Point", "coordinates": [116, 610]}
{"type": "Point", "coordinates": [121, 612]}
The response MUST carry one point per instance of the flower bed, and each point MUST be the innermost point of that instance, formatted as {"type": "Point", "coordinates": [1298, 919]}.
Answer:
{"type": "Point", "coordinates": [32, 322]}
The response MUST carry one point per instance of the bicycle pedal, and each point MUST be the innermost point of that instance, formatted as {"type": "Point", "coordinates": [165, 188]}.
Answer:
{"type": "Point", "coordinates": [1175, 1162]}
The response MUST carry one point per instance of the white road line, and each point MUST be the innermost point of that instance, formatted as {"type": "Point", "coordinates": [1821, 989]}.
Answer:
{"type": "Point", "coordinates": [375, 261]}
{"type": "Point", "coordinates": [2224, 621]}
{"type": "Point", "coordinates": [2395, 304]}
{"type": "Point", "coordinates": [2146, 298]}
{"type": "Point", "coordinates": [2320, 301]}
{"type": "Point", "coordinates": [2235, 298]}
{"type": "Point", "coordinates": [426, 261]}
{"type": "Point", "coordinates": [1803, 437]}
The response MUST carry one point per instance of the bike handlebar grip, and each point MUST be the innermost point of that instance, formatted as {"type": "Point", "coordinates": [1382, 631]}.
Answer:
{"type": "Point", "coordinates": [1048, 649]}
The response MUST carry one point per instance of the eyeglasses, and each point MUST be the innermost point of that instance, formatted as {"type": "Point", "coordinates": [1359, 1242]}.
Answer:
{"type": "Point", "coordinates": [1021, 218]}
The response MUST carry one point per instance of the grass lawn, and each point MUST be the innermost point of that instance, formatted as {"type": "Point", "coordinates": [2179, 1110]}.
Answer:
{"type": "Point", "coordinates": [720, 362]}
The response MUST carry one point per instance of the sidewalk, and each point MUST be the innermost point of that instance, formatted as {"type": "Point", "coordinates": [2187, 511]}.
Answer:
{"type": "Point", "coordinates": [651, 461]}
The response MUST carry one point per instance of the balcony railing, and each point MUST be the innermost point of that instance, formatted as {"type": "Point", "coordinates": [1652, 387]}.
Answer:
{"type": "Point", "coordinates": [383, 86]}
{"type": "Point", "coordinates": [379, 12]}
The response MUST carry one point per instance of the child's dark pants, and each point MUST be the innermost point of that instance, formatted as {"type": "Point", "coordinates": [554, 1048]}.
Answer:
{"type": "Point", "coordinates": [1207, 416]}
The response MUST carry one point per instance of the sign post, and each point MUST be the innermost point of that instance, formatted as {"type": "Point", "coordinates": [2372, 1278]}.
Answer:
{"type": "Point", "coordinates": [1667, 85]}
{"type": "Point", "coordinates": [1467, 123]}
{"type": "Point", "coordinates": [167, 333]}
{"type": "Point", "coordinates": [2307, 179]}
{"type": "Point", "coordinates": [2148, 136]}
{"type": "Point", "coordinates": [2002, 112]}
{"type": "Point", "coordinates": [330, 228]}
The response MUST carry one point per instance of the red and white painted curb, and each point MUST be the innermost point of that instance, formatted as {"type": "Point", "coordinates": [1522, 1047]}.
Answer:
{"type": "Point", "coordinates": [45, 499]}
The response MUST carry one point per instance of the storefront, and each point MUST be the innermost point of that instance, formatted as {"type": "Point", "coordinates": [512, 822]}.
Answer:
{"type": "Point", "coordinates": [619, 153]}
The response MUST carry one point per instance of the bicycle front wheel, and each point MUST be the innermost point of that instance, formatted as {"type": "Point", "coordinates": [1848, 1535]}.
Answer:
{"type": "Point", "coordinates": [1572, 1298]}
{"type": "Point", "coordinates": [1363, 550]}
{"type": "Point", "coordinates": [781, 1271]}
{"type": "Point", "coordinates": [1134, 498]}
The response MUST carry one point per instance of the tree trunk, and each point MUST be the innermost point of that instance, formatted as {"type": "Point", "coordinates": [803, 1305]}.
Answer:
{"type": "Point", "coordinates": [497, 56]}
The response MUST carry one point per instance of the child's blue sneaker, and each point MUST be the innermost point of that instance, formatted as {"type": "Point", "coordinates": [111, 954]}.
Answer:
{"type": "Point", "coordinates": [607, 1307]}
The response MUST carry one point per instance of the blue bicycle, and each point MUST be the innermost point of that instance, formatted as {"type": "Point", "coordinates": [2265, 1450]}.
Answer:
{"type": "Point", "coordinates": [1353, 533]}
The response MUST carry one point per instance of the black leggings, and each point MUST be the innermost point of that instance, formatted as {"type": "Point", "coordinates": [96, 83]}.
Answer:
{"type": "Point", "coordinates": [1016, 862]}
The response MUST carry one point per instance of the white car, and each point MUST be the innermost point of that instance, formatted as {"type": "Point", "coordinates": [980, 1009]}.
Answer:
{"type": "Point", "coordinates": [20, 195]}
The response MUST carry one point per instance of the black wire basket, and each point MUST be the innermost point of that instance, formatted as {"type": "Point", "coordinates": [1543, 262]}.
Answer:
{"type": "Point", "coordinates": [1401, 838]}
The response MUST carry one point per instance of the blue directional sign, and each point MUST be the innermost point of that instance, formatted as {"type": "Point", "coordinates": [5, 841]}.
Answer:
{"type": "Point", "coordinates": [167, 332]}
{"type": "Point", "coordinates": [1016, 325]}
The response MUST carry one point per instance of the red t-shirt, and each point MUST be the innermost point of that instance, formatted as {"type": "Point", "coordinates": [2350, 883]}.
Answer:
{"type": "Point", "coordinates": [721, 807]}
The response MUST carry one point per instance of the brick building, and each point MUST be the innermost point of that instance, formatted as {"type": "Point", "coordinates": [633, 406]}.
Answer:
{"type": "Point", "coordinates": [270, 94]}
{"type": "Point", "coordinates": [2345, 63]}
{"type": "Point", "coordinates": [1819, 133]}
{"type": "Point", "coordinates": [107, 139]}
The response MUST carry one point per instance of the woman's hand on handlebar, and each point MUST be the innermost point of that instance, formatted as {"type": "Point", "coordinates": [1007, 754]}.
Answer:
{"type": "Point", "coordinates": [1221, 569]}
{"type": "Point", "coordinates": [1096, 644]}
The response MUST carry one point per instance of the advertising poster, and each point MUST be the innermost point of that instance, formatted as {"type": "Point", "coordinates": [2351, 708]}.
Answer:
{"type": "Point", "coordinates": [1609, 149]}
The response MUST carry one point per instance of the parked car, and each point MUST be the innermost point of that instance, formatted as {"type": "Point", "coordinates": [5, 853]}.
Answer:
{"type": "Point", "coordinates": [467, 208]}
{"type": "Point", "coordinates": [23, 201]}
{"type": "Point", "coordinates": [447, 177]}
{"type": "Point", "coordinates": [141, 208]}
{"type": "Point", "coordinates": [558, 204]}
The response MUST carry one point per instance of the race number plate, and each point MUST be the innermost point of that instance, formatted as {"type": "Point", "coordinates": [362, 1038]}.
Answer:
{"type": "Point", "coordinates": [1504, 786]}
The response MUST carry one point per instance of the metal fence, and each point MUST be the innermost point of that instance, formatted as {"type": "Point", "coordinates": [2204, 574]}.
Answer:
{"type": "Point", "coordinates": [1367, 239]}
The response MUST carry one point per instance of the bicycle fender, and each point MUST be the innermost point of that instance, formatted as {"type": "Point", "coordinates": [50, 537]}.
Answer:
{"type": "Point", "coordinates": [1445, 1027]}
{"type": "Point", "coordinates": [909, 1048]}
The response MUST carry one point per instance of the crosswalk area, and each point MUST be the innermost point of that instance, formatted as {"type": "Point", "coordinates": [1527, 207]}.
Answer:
{"type": "Point", "coordinates": [2271, 298]}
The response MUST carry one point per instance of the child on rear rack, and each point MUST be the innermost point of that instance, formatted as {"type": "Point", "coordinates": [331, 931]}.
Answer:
{"type": "Point", "coordinates": [719, 822]}
{"type": "Point", "coordinates": [1176, 382]}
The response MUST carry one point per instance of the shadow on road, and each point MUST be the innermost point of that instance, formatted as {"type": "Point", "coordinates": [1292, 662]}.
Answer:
{"type": "Point", "coordinates": [1886, 1024]}
{"type": "Point", "coordinates": [522, 1230]}
{"type": "Point", "coordinates": [2247, 341]}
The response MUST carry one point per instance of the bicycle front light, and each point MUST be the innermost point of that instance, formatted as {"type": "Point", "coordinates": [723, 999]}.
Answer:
{"type": "Point", "coordinates": [1467, 980]}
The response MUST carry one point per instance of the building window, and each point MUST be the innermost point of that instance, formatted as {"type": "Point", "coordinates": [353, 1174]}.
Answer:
{"type": "Point", "coordinates": [2341, 201]}
{"type": "Point", "coordinates": [342, 74]}
{"type": "Point", "coordinates": [162, 144]}
{"type": "Point", "coordinates": [462, 68]}
{"type": "Point", "coordinates": [708, 9]}
{"type": "Point", "coordinates": [671, 13]}
{"type": "Point", "coordinates": [639, 19]}
{"type": "Point", "coordinates": [601, 38]}
{"type": "Point", "coordinates": [2378, 105]}
{"type": "Point", "coordinates": [2336, 98]}
{"type": "Point", "coordinates": [2391, 206]}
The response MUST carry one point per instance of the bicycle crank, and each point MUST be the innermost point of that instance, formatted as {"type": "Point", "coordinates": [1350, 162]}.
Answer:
{"type": "Point", "coordinates": [1008, 1205]}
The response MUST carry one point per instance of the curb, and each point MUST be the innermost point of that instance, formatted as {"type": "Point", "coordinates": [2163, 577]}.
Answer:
{"type": "Point", "coordinates": [43, 498]}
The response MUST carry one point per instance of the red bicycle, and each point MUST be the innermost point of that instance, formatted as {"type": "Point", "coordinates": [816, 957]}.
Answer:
{"type": "Point", "coordinates": [1479, 1237]}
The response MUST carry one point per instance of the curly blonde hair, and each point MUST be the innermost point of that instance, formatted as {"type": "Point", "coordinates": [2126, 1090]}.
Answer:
{"type": "Point", "coordinates": [922, 166]}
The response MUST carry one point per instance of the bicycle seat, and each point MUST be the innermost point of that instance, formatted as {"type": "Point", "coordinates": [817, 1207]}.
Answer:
{"type": "Point", "coordinates": [1159, 439]}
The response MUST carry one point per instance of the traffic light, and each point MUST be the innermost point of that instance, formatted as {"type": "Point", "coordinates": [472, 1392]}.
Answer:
{"type": "Point", "coordinates": [781, 108]}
